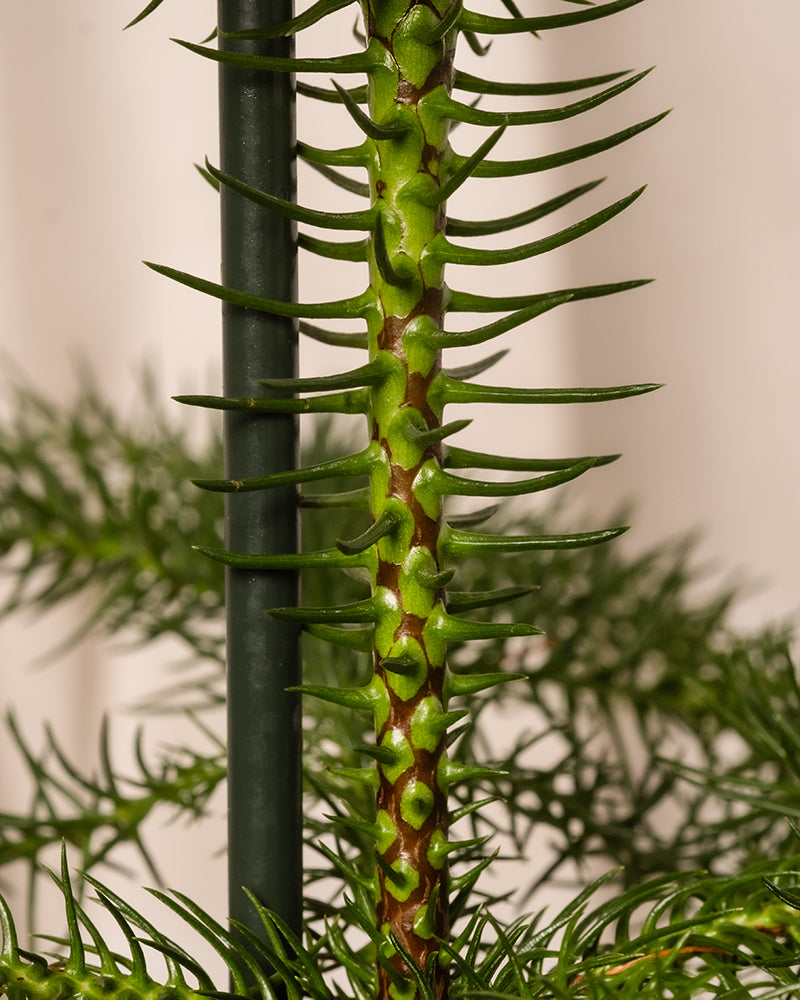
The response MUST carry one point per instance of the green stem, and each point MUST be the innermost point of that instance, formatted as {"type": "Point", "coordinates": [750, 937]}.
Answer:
{"type": "Point", "coordinates": [413, 46]}
{"type": "Point", "coordinates": [264, 744]}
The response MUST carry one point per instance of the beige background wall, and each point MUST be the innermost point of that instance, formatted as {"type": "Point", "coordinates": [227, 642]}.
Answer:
{"type": "Point", "coordinates": [99, 131]}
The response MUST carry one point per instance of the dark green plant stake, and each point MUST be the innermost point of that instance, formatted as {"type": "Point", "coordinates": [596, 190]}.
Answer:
{"type": "Point", "coordinates": [402, 389]}
{"type": "Point", "coordinates": [265, 824]}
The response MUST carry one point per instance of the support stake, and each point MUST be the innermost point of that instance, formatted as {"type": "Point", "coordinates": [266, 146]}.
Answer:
{"type": "Point", "coordinates": [257, 140]}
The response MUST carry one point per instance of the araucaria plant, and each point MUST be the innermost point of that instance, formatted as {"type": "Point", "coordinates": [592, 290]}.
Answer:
{"type": "Point", "coordinates": [414, 877]}
{"type": "Point", "coordinates": [410, 549]}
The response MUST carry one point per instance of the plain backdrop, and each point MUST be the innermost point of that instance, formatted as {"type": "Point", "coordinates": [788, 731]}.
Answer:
{"type": "Point", "coordinates": [100, 129]}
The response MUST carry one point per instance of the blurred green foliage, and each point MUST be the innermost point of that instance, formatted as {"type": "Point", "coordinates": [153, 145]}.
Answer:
{"type": "Point", "coordinates": [649, 737]}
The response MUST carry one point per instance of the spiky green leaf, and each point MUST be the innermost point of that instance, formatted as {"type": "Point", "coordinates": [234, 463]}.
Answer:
{"type": "Point", "coordinates": [485, 24]}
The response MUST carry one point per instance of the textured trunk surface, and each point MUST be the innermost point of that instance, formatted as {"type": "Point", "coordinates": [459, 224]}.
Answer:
{"type": "Point", "coordinates": [405, 175]}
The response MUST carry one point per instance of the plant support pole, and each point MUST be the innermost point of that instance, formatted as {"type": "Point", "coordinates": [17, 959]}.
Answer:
{"type": "Point", "coordinates": [257, 139]}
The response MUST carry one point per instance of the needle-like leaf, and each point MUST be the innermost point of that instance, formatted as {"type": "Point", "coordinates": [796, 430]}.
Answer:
{"type": "Point", "coordinates": [462, 543]}
{"type": "Point", "coordinates": [475, 85]}
{"type": "Point", "coordinates": [449, 485]}
{"type": "Point", "coordinates": [358, 94]}
{"type": "Point", "coordinates": [372, 373]}
{"type": "Point", "coordinates": [315, 13]}
{"type": "Point", "coordinates": [467, 167]}
{"type": "Point", "coordinates": [344, 308]}
{"type": "Point", "coordinates": [335, 338]}
{"type": "Point", "coordinates": [365, 123]}
{"type": "Point", "coordinates": [355, 251]}
{"type": "Point", "coordinates": [364, 219]}
{"type": "Point", "coordinates": [143, 14]}
{"type": "Point", "coordinates": [535, 164]}
{"type": "Point", "coordinates": [454, 254]}
{"type": "Point", "coordinates": [336, 558]}
{"type": "Point", "coordinates": [335, 402]}
{"type": "Point", "coordinates": [355, 62]}
{"type": "Point", "coordinates": [471, 115]}
{"type": "Point", "coordinates": [450, 391]}
{"type": "Point", "coordinates": [459, 301]}
{"type": "Point", "coordinates": [538, 304]}
{"type": "Point", "coordinates": [462, 458]}
{"type": "Point", "coordinates": [488, 227]}
{"type": "Point", "coordinates": [485, 24]}
{"type": "Point", "coordinates": [358, 464]}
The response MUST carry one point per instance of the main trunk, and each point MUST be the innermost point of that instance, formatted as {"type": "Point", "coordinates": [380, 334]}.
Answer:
{"type": "Point", "coordinates": [407, 163]}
